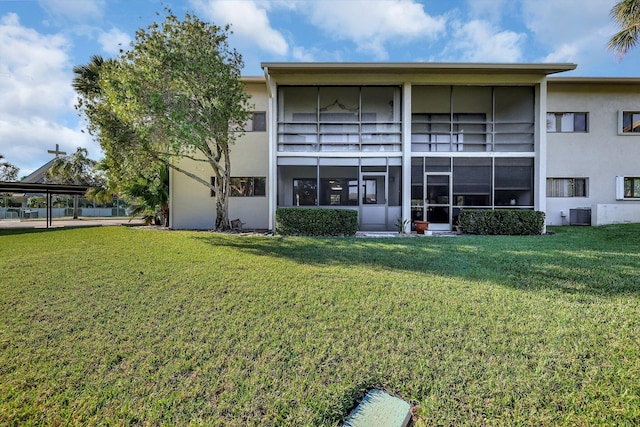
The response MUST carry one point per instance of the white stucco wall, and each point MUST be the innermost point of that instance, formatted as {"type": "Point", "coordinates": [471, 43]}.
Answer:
{"type": "Point", "coordinates": [192, 206]}
{"type": "Point", "coordinates": [599, 154]}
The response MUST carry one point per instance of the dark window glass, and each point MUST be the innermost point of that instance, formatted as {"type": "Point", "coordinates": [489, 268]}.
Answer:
{"type": "Point", "coordinates": [260, 186]}
{"type": "Point", "coordinates": [580, 122]}
{"type": "Point", "coordinates": [632, 187]}
{"type": "Point", "coordinates": [631, 122]}
{"type": "Point", "coordinates": [339, 192]}
{"type": "Point", "coordinates": [259, 122]}
{"type": "Point", "coordinates": [370, 192]}
{"type": "Point", "coordinates": [305, 192]}
{"type": "Point", "coordinates": [247, 186]}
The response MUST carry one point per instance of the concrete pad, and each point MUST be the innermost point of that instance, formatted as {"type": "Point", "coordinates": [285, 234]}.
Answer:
{"type": "Point", "coordinates": [380, 409]}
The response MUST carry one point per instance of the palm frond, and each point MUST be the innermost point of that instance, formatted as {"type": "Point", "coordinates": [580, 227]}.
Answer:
{"type": "Point", "coordinates": [627, 14]}
{"type": "Point", "coordinates": [623, 41]}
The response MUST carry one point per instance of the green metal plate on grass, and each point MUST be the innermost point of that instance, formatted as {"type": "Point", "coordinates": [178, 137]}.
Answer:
{"type": "Point", "coordinates": [380, 409]}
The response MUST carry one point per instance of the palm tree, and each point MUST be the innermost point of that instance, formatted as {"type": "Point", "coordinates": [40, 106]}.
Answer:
{"type": "Point", "coordinates": [149, 195]}
{"type": "Point", "coordinates": [627, 14]}
{"type": "Point", "coordinates": [142, 182]}
{"type": "Point", "coordinates": [77, 169]}
{"type": "Point", "coordinates": [87, 77]}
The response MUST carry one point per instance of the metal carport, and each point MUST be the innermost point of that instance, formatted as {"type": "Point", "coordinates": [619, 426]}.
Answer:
{"type": "Point", "coordinates": [47, 189]}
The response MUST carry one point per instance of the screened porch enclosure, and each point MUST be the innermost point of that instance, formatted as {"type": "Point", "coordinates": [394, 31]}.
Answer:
{"type": "Point", "coordinates": [339, 118]}
{"type": "Point", "coordinates": [467, 146]}
{"type": "Point", "coordinates": [442, 186]}
{"type": "Point", "coordinates": [374, 191]}
{"type": "Point", "coordinates": [473, 119]}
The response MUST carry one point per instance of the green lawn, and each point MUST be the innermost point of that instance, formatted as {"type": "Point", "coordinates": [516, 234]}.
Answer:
{"type": "Point", "coordinates": [124, 326]}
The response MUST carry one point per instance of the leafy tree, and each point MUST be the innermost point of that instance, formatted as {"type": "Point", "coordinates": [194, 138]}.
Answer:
{"type": "Point", "coordinates": [626, 13]}
{"type": "Point", "coordinates": [36, 202]}
{"type": "Point", "coordinates": [77, 169]}
{"type": "Point", "coordinates": [175, 95]}
{"type": "Point", "coordinates": [8, 172]}
{"type": "Point", "coordinates": [122, 172]}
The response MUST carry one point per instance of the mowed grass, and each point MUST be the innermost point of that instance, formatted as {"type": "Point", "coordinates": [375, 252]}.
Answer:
{"type": "Point", "coordinates": [123, 326]}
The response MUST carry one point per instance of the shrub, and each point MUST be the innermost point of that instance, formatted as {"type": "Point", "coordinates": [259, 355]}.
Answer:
{"type": "Point", "coordinates": [501, 221]}
{"type": "Point", "coordinates": [316, 222]}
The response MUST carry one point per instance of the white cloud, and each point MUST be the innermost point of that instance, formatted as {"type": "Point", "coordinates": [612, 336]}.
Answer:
{"type": "Point", "coordinates": [75, 10]}
{"type": "Point", "coordinates": [574, 30]}
{"type": "Point", "coordinates": [556, 22]}
{"type": "Point", "coordinates": [35, 82]}
{"type": "Point", "coordinates": [479, 41]}
{"type": "Point", "coordinates": [114, 40]}
{"type": "Point", "coordinates": [491, 10]}
{"type": "Point", "coordinates": [301, 54]}
{"type": "Point", "coordinates": [372, 25]}
{"type": "Point", "coordinates": [249, 22]}
{"type": "Point", "coordinates": [31, 137]}
{"type": "Point", "coordinates": [369, 25]}
{"type": "Point", "coordinates": [563, 53]}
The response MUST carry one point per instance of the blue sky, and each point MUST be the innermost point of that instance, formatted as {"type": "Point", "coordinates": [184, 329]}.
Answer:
{"type": "Point", "coordinates": [41, 41]}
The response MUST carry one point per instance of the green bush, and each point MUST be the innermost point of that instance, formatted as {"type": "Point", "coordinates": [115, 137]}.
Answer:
{"type": "Point", "coordinates": [316, 222]}
{"type": "Point", "coordinates": [501, 221]}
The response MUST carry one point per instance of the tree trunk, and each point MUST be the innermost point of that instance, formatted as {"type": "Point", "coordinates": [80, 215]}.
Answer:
{"type": "Point", "coordinates": [165, 216]}
{"type": "Point", "coordinates": [222, 217]}
{"type": "Point", "coordinates": [75, 206]}
{"type": "Point", "coordinates": [222, 197]}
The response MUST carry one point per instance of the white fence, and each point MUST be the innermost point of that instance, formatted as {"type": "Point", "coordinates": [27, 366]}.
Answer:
{"type": "Point", "coordinates": [17, 214]}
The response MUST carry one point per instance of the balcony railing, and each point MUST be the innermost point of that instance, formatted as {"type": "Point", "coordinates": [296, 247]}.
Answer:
{"type": "Point", "coordinates": [339, 136]}
{"type": "Point", "coordinates": [469, 133]}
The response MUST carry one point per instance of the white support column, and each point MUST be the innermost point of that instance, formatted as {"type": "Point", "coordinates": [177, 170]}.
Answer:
{"type": "Point", "coordinates": [406, 154]}
{"type": "Point", "coordinates": [171, 190]}
{"type": "Point", "coordinates": [272, 120]}
{"type": "Point", "coordinates": [540, 195]}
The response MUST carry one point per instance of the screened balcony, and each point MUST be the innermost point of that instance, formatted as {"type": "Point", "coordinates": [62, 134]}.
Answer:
{"type": "Point", "coordinates": [473, 119]}
{"type": "Point", "coordinates": [339, 118]}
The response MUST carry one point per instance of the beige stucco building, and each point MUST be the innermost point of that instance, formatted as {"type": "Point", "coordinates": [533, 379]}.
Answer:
{"type": "Point", "coordinates": [593, 154]}
{"type": "Point", "coordinates": [422, 141]}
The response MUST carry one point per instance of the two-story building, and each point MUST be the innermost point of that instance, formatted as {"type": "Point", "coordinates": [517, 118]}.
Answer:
{"type": "Point", "coordinates": [593, 150]}
{"type": "Point", "coordinates": [422, 141]}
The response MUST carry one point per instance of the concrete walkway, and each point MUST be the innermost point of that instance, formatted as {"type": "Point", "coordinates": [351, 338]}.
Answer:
{"type": "Point", "coordinates": [412, 234]}
{"type": "Point", "coordinates": [64, 222]}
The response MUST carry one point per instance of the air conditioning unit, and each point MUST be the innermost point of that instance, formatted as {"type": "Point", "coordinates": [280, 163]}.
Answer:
{"type": "Point", "coordinates": [580, 216]}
